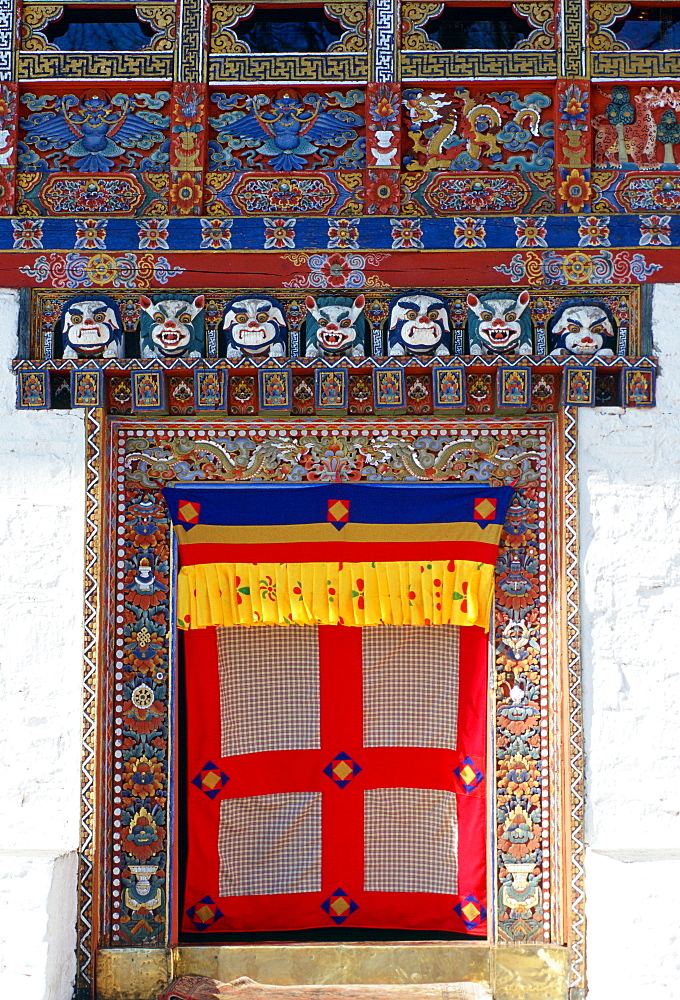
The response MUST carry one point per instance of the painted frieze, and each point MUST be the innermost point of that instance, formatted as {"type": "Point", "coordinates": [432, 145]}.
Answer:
{"type": "Point", "coordinates": [94, 132]}
{"type": "Point", "coordinates": [465, 128]}
{"type": "Point", "coordinates": [414, 323]}
{"type": "Point", "coordinates": [288, 130]}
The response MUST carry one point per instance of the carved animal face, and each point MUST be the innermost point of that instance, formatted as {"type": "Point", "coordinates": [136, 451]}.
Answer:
{"type": "Point", "coordinates": [419, 322]}
{"type": "Point", "coordinates": [583, 328]}
{"type": "Point", "coordinates": [337, 329]}
{"type": "Point", "coordinates": [253, 325]}
{"type": "Point", "coordinates": [170, 330]}
{"type": "Point", "coordinates": [90, 325]}
{"type": "Point", "coordinates": [498, 324]}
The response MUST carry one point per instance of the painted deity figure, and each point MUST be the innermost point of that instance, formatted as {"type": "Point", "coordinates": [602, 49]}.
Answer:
{"type": "Point", "coordinates": [419, 324]}
{"type": "Point", "coordinates": [335, 326]}
{"type": "Point", "coordinates": [499, 323]}
{"type": "Point", "coordinates": [254, 326]}
{"type": "Point", "coordinates": [585, 327]}
{"type": "Point", "coordinates": [91, 328]}
{"type": "Point", "coordinates": [172, 328]}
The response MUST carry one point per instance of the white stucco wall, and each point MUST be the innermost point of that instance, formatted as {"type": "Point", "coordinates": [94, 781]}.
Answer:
{"type": "Point", "coordinates": [629, 464]}
{"type": "Point", "coordinates": [41, 544]}
{"type": "Point", "coordinates": [630, 543]}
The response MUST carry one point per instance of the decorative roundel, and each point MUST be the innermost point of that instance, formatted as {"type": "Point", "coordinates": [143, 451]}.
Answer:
{"type": "Point", "coordinates": [142, 696]}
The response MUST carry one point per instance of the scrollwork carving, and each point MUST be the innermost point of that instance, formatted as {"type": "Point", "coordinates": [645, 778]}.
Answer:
{"type": "Point", "coordinates": [224, 17]}
{"type": "Point", "coordinates": [541, 16]}
{"type": "Point", "coordinates": [601, 17]}
{"type": "Point", "coordinates": [352, 16]}
{"type": "Point", "coordinates": [537, 12]}
{"type": "Point", "coordinates": [35, 17]}
{"type": "Point", "coordinates": [162, 18]}
{"type": "Point", "coordinates": [414, 16]}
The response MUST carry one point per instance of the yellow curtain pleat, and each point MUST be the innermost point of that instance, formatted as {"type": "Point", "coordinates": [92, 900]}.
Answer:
{"type": "Point", "coordinates": [458, 592]}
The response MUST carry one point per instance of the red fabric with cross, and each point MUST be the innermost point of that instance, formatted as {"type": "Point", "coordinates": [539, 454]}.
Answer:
{"type": "Point", "coordinates": [343, 827]}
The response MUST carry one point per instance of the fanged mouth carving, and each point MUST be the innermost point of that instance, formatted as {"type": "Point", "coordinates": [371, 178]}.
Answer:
{"type": "Point", "coordinates": [252, 337]}
{"type": "Point", "coordinates": [330, 339]}
{"type": "Point", "coordinates": [170, 338]}
{"type": "Point", "coordinates": [427, 329]}
{"type": "Point", "coordinates": [499, 336]}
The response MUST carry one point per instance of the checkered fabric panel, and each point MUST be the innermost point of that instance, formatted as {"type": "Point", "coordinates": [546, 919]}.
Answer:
{"type": "Point", "coordinates": [270, 844]}
{"type": "Point", "coordinates": [269, 689]}
{"type": "Point", "coordinates": [411, 840]}
{"type": "Point", "coordinates": [410, 686]}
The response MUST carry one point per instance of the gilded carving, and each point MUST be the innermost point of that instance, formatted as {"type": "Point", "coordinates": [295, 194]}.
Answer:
{"type": "Point", "coordinates": [352, 16]}
{"type": "Point", "coordinates": [414, 16]}
{"type": "Point", "coordinates": [34, 18]}
{"type": "Point", "coordinates": [537, 12]}
{"type": "Point", "coordinates": [541, 15]}
{"type": "Point", "coordinates": [190, 54]}
{"type": "Point", "coordinates": [162, 18]}
{"type": "Point", "coordinates": [573, 52]}
{"type": "Point", "coordinates": [224, 17]}
{"type": "Point", "coordinates": [636, 65]}
{"type": "Point", "coordinates": [94, 65]}
{"type": "Point", "coordinates": [601, 17]}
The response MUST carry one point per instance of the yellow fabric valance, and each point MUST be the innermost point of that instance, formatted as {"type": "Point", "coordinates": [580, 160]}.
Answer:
{"type": "Point", "coordinates": [456, 592]}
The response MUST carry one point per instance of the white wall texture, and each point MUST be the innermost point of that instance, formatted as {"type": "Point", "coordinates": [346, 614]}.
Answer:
{"type": "Point", "coordinates": [41, 542]}
{"type": "Point", "coordinates": [629, 477]}
{"type": "Point", "coordinates": [630, 551]}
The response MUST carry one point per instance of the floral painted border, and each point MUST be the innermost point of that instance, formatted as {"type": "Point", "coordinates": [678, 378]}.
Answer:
{"type": "Point", "coordinates": [141, 456]}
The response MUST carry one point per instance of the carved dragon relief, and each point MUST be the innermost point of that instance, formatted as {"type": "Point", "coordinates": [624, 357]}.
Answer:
{"type": "Point", "coordinates": [329, 458]}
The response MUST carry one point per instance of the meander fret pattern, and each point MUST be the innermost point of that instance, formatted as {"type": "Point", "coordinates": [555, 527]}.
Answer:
{"type": "Point", "coordinates": [573, 47]}
{"type": "Point", "coordinates": [636, 65]}
{"type": "Point", "coordinates": [190, 54]}
{"type": "Point", "coordinates": [346, 67]}
{"type": "Point", "coordinates": [7, 13]}
{"type": "Point", "coordinates": [95, 65]}
{"type": "Point", "coordinates": [477, 65]}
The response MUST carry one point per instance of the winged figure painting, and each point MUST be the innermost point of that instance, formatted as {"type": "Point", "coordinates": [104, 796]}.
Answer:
{"type": "Point", "coordinates": [287, 130]}
{"type": "Point", "coordinates": [92, 129]}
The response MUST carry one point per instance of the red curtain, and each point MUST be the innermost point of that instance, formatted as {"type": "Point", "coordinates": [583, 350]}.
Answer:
{"type": "Point", "coordinates": [336, 778]}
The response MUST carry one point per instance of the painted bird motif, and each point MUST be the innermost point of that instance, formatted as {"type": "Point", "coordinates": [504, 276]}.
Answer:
{"type": "Point", "coordinates": [93, 121]}
{"type": "Point", "coordinates": [289, 129]}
